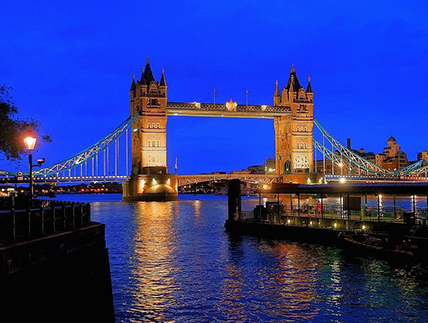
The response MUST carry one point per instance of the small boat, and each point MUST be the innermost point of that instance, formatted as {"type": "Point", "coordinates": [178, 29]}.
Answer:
{"type": "Point", "coordinates": [378, 246]}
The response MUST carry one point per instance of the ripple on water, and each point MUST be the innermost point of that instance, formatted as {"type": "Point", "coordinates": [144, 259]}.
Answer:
{"type": "Point", "coordinates": [174, 262]}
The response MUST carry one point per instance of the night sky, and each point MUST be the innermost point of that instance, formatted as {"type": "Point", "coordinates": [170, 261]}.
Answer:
{"type": "Point", "coordinates": [70, 65]}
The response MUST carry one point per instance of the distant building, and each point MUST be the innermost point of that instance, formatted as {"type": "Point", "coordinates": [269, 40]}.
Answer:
{"type": "Point", "coordinates": [392, 157]}
{"type": "Point", "coordinates": [270, 166]}
{"type": "Point", "coordinates": [267, 168]}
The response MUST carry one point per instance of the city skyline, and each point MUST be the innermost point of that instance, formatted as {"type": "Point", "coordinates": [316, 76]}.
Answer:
{"type": "Point", "coordinates": [74, 78]}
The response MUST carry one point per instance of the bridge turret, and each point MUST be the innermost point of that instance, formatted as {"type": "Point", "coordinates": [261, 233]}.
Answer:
{"type": "Point", "coordinates": [133, 87]}
{"type": "Point", "coordinates": [284, 95]}
{"type": "Point", "coordinates": [276, 97]}
{"type": "Point", "coordinates": [293, 133]}
{"type": "Point", "coordinates": [150, 177]}
{"type": "Point", "coordinates": [309, 92]}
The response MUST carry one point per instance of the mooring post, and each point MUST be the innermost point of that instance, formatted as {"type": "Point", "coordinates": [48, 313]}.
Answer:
{"type": "Point", "coordinates": [42, 215]}
{"type": "Point", "coordinates": [349, 212]}
{"type": "Point", "coordinates": [234, 199]}
{"type": "Point", "coordinates": [395, 207]}
{"type": "Point", "coordinates": [378, 208]}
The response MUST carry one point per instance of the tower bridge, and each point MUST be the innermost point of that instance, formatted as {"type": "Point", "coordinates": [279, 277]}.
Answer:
{"type": "Point", "coordinates": [143, 166]}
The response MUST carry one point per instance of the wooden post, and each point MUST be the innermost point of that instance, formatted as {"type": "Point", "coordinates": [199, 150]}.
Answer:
{"type": "Point", "coordinates": [298, 205]}
{"type": "Point", "coordinates": [13, 213]}
{"type": "Point", "coordinates": [322, 206]}
{"type": "Point", "coordinates": [29, 222]}
{"type": "Point", "coordinates": [395, 207]}
{"type": "Point", "coordinates": [73, 214]}
{"type": "Point", "coordinates": [64, 216]}
{"type": "Point", "coordinates": [89, 210]}
{"type": "Point", "coordinates": [378, 208]}
{"type": "Point", "coordinates": [365, 204]}
{"type": "Point", "coordinates": [82, 211]}
{"type": "Point", "coordinates": [53, 219]}
{"type": "Point", "coordinates": [349, 212]}
{"type": "Point", "coordinates": [42, 215]}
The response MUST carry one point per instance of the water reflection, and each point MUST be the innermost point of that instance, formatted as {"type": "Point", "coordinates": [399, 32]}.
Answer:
{"type": "Point", "coordinates": [174, 262]}
{"type": "Point", "coordinates": [153, 260]}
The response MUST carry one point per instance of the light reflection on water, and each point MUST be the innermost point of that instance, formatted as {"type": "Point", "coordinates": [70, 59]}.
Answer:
{"type": "Point", "coordinates": [174, 262]}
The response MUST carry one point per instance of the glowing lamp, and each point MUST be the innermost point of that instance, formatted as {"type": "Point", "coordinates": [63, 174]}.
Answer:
{"type": "Point", "coordinates": [342, 180]}
{"type": "Point", "coordinates": [30, 142]}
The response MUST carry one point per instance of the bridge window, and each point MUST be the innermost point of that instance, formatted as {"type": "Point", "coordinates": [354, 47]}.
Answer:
{"type": "Point", "coordinates": [158, 125]}
{"type": "Point", "coordinates": [153, 125]}
{"type": "Point", "coordinates": [149, 143]}
{"type": "Point", "coordinates": [157, 143]}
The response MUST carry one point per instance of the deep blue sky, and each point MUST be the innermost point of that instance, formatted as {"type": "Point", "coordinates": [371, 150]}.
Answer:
{"type": "Point", "coordinates": [70, 66]}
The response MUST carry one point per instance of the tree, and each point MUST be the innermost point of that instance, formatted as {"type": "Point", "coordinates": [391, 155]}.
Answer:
{"type": "Point", "coordinates": [12, 129]}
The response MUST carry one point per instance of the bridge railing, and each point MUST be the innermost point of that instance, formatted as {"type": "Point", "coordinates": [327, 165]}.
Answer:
{"type": "Point", "coordinates": [21, 225]}
{"type": "Point", "coordinates": [333, 212]}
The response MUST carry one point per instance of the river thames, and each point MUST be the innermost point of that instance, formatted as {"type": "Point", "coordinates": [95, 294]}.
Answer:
{"type": "Point", "coordinates": [174, 262]}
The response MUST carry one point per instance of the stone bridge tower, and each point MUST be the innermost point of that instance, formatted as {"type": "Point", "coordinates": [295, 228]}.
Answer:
{"type": "Point", "coordinates": [149, 99]}
{"type": "Point", "coordinates": [294, 133]}
{"type": "Point", "coordinates": [149, 175]}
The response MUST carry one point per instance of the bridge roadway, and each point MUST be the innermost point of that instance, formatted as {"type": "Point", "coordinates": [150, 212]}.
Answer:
{"type": "Point", "coordinates": [230, 109]}
{"type": "Point", "coordinates": [182, 179]}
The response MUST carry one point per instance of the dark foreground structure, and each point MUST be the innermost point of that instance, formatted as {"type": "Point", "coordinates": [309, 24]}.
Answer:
{"type": "Point", "coordinates": [54, 266]}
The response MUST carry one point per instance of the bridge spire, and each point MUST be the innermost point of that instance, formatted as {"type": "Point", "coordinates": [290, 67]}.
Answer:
{"type": "Point", "coordinates": [133, 82]}
{"type": "Point", "coordinates": [148, 74]}
{"type": "Point", "coordinates": [142, 81]}
{"type": "Point", "coordinates": [162, 81]}
{"type": "Point", "coordinates": [276, 97]}
{"type": "Point", "coordinates": [309, 88]}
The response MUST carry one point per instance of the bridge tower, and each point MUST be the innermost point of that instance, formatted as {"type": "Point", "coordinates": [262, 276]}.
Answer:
{"type": "Point", "coordinates": [294, 133]}
{"type": "Point", "coordinates": [149, 174]}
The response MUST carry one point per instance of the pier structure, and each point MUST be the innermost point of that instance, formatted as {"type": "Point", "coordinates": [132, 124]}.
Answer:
{"type": "Point", "coordinates": [299, 210]}
{"type": "Point", "coordinates": [54, 265]}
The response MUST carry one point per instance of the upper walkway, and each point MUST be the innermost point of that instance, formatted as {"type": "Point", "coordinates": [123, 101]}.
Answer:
{"type": "Point", "coordinates": [228, 109]}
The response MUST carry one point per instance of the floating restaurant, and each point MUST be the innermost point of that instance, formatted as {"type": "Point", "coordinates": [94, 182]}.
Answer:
{"type": "Point", "coordinates": [322, 213]}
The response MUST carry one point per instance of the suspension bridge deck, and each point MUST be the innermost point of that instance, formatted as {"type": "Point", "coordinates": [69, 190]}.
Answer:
{"type": "Point", "coordinates": [230, 109]}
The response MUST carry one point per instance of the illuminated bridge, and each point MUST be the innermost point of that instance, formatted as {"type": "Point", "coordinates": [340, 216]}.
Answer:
{"type": "Point", "coordinates": [304, 150]}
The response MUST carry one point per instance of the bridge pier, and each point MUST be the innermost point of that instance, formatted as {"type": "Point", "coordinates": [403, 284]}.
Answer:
{"type": "Point", "coordinates": [150, 187]}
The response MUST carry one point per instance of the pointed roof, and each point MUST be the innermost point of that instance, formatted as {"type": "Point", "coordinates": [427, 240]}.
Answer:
{"type": "Point", "coordinates": [148, 74]}
{"type": "Point", "coordinates": [142, 80]}
{"type": "Point", "coordinates": [133, 82]}
{"type": "Point", "coordinates": [309, 88]}
{"type": "Point", "coordinates": [276, 94]}
{"type": "Point", "coordinates": [293, 82]}
{"type": "Point", "coordinates": [162, 81]}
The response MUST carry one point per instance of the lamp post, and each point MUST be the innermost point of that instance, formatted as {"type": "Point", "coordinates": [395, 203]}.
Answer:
{"type": "Point", "coordinates": [30, 143]}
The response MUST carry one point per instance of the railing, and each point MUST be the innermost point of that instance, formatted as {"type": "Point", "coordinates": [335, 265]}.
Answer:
{"type": "Point", "coordinates": [53, 217]}
{"type": "Point", "coordinates": [335, 212]}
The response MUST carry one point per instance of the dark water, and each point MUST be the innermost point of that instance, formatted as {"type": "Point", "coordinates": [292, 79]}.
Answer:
{"type": "Point", "coordinates": [174, 262]}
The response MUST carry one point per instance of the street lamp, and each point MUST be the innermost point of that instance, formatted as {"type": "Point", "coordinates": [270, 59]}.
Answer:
{"type": "Point", "coordinates": [30, 143]}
